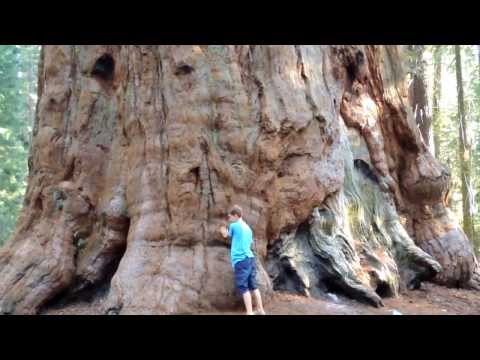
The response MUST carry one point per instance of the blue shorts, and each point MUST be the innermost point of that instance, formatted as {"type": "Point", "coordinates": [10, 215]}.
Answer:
{"type": "Point", "coordinates": [245, 273]}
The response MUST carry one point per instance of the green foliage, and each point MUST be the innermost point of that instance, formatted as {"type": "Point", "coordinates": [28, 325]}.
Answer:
{"type": "Point", "coordinates": [18, 76]}
{"type": "Point", "coordinates": [448, 129]}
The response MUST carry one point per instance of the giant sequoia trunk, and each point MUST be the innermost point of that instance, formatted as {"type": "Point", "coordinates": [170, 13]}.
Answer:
{"type": "Point", "coordinates": [139, 150]}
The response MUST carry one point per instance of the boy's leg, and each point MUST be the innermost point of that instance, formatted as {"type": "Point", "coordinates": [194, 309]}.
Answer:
{"type": "Point", "coordinates": [258, 301]}
{"type": "Point", "coordinates": [247, 299]}
{"type": "Point", "coordinates": [252, 286]}
{"type": "Point", "coordinates": [241, 271]}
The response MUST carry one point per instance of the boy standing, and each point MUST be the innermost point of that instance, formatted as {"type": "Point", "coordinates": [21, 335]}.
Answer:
{"type": "Point", "coordinates": [243, 260]}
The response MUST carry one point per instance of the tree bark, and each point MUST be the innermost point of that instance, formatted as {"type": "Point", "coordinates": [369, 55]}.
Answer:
{"type": "Point", "coordinates": [418, 94]}
{"type": "Point", "coordinates": [464, 150]}
{"type": "Point", "coordinates": [437, 96]}
{"type": "Point", "coordinates": [138, 151]}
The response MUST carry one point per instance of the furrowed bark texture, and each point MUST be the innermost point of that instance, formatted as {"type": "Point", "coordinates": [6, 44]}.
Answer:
{"type": "Point", "coordinates": [138, 151]}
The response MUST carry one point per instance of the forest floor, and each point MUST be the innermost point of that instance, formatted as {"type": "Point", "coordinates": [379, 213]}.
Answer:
{"type": "Point", "coordinates": [429, 300]}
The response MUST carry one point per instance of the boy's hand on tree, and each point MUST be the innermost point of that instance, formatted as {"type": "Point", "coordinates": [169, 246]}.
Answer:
{"type": "Point", "coordinates": [224, 231]}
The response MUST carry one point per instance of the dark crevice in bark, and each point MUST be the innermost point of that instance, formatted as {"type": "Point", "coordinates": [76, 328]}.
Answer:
{"type": "Point", "coordinates": [167, 183]}
{"type": "Point", "coordinates": [183, 69]}
{"type": "Point", "coordinates": [86, 290]}
{"type": "Point", "coordinates": [362, 166]}
{"type": "Point", "coordinates": [474, 282]}
{"type": "Point", "coordinates": [104, 67]}
{"type": "Point", "coordinates": [70, 170]}
{"type": "Point", "coordinates": [260, 90]}
{"type": "Point", "coordinates": [306, 82]}
{"type": "Point", "coordinates": [212, 194]}
{"type": "Point", "coordinates": [162, 90]}
{"type": "Point", "coordinates": [205, 149]}
{"type": "Point", "coordinates": [67, 136]}
{"type": "Point", "coordinates": [162, 137]}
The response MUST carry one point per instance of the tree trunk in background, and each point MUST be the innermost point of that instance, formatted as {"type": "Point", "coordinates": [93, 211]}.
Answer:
{"type": "Point", "coordinates": [477, 234]}
{"type": "Point", "coordinates": [437, 96]}
{"type": "Point", "coordinates": [464, 149]}
{"type": "Point", "coordinates": [418, 93]}
{"type": "Point", "coordinates": [475, 281]}
{"type": "Point", "coordinates": [138, 151]}
{"type": "Point", "coordinates": [478, 49]}
{"type": "Point", "coordinates": [31, 75]}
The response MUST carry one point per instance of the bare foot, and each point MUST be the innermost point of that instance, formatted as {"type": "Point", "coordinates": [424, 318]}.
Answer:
{"type": "Point", "coordinates": [260, 312]}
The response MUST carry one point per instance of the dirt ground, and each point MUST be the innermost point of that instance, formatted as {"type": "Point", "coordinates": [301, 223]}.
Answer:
{"type": "Point", "coordinates": [429, 300]}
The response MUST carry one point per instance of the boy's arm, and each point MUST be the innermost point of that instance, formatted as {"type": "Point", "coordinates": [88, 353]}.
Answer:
{"type": "Point", "coordinates": [224, 231]}
{"type": "Point", "coordinates": [227, 232]}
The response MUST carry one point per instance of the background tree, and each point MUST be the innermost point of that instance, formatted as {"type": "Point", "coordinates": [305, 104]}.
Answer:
{"type": "Point", "coordinates": [478, 50]}
{"type": "Point", "coordinates": [464, 151]}
{"type": "Point", "coordinates": [18, 79]}
{"type": "Point", "coordinates": [448, 122]}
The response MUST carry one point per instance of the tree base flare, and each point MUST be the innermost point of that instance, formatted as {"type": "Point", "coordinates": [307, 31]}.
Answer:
{"type": "Point", "coordinates": [354, 243]}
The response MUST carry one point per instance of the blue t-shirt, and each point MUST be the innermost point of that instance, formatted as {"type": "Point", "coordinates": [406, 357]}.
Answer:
{"type": "Point", "coordinates": [242, 238]}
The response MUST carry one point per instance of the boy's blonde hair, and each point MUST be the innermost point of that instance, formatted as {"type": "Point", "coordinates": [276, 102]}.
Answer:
{"type": "Point", "coordinates": [236, 210]}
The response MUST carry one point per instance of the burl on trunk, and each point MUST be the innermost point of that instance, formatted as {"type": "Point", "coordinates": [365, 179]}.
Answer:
{"type": "Point", "coordinates": [138, 151]}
